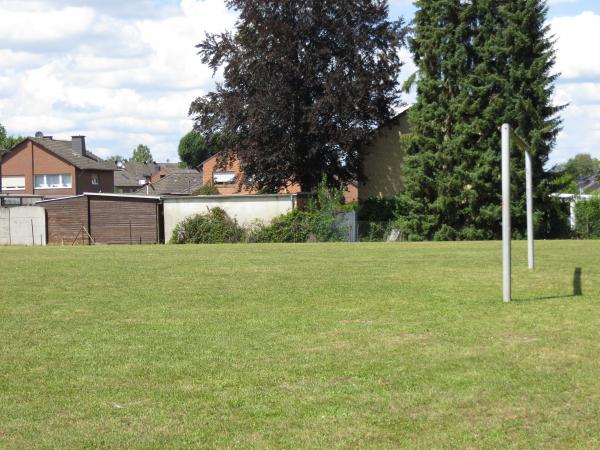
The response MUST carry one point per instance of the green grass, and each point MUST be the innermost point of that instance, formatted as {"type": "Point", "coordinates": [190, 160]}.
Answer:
{"type": "Point", "coordinates": [299, 346]}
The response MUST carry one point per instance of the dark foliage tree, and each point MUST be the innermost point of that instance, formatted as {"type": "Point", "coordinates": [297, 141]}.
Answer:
{"type": "Point", "coordinates": [481, 63]}
{"type": "Point", "coordinates": [141, 154]}
{"type": "Point", "coordinates": [193, 149]}
{"type": "Point", "coordinates": [305, 82]}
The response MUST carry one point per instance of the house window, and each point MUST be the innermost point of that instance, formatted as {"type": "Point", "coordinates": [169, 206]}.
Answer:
{"type": "Point", "coordinates": [13, 183]}
{"type": "Point", "coordinates": [95, 181]}
{"type": "Point", "coordinates": [223, 177]}
{"type": "Point", "coordinates": [53, 181]}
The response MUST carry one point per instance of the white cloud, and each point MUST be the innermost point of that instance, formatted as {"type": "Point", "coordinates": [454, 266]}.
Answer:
{"type": "Point", "coordinates": [97, 68]}
{"type": "Point", "coordinates": [575, 36]}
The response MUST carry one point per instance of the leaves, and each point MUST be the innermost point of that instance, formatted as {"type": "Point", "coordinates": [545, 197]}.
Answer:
{"type": "Point", "coordinates": [305, 82]}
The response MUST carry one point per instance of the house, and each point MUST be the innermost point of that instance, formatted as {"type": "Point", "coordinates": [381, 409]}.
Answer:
{"type": "Point", "coordinates": [50, 167]}
{"type": "Point", "coordinates": [228, 179]}
{"type": "Point", "coordinates": [382, 159]}
{"type": "Point", "coordinates": [176, 182]}
{"type": "Point", "coordinates": [589, 184]}
{"type": "Point", "coordinates": [130, 175]}
{"type": "Point", "coordinates": [103, 218]}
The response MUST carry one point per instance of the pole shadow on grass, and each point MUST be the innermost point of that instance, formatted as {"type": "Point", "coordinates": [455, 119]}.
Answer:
{"type": "Point", "coordinates": [577, 291]}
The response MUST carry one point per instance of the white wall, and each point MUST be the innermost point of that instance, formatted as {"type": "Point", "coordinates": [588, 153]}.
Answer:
{"type": "Point", "coordinates": [244, 208]}
{"type": "Point", "coordinates": [23, 225]}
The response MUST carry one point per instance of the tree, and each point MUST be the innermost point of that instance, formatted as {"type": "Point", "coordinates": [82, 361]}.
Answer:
{"type": "Point", "coordinates": [193, 149]}
{"type": "Point", "coordinates": [141, 154]}
{"type": "Point", "coordinates": [305, 83]}
{"type": "Point", "coordinates": [480, 64]}
{"type": "Point", "coordinates": [581, 165]}
{"type": "Point", "coordinates": [7, 142]}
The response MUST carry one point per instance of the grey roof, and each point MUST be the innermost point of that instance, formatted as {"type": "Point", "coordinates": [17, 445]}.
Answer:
{"type": "Point", "coordinates": [131, 172]}
{"type": "Point", "coordinates": [64, 150]}
{"type": "Point", "coordinates": [176, 183]}
{"type": "Point", "coordinates": [590, 184]}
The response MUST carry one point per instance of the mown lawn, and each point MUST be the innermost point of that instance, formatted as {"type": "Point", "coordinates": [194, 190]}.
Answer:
{"type": "Point", "coordinates": [299, 346]}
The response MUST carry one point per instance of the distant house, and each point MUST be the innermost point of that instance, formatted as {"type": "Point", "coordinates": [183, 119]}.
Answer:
{"type": "Point", "coordinates": [382, 159]}
{"type": "Point", "coordinates": [589, 184]}
{"type": "Point", "coordinates": [130, 175]}
{"type": "Point", "coordinates": [54, 168]}
{"type": "Point", "coordinates": [177, 182]}
{"type": "Point", "coordinates": [229, 180]}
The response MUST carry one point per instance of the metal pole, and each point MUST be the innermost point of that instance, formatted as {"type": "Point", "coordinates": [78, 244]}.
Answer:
{"type": "Point", "coordinates": [506, 232]}
{"type": "Point", "coordinates": [529, 194]}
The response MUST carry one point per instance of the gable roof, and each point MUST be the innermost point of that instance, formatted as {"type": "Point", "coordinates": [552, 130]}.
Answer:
{"type": "Point", "coordinates": [64, 150]}
{"type": "Point", "coordinates": [131, 172]}
{"type": "Point", "coordinates": [176, 183]}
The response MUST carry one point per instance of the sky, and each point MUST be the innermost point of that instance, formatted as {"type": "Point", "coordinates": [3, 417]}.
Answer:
{"type": "Point", "coordinates": [124, 72]}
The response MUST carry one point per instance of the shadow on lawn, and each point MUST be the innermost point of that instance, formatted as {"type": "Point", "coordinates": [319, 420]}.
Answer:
{"type": "Point", "coordinates": [577, 291]}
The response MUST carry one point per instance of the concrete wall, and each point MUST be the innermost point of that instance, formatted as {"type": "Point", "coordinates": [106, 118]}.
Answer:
{"type": "Point", "coordinates": [244, 208]}
{"type": "Point", "coordinates": [23, 225]}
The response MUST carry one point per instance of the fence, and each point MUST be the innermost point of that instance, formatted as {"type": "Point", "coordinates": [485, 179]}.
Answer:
{"type": "Point", "coordinates": [369, 231]}
{"type": "Point", "coordinates": [23, 225]}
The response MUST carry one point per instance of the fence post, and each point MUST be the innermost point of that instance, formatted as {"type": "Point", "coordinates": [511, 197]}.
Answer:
{"type": "Point", "coordinates": [529, 195]}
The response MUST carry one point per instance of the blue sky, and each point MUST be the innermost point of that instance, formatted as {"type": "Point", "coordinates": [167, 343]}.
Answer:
{"type": "Point", "coordinates": [124, 72]}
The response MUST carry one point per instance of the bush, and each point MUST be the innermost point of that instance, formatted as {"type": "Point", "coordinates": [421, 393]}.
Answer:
{"type": "Point", "coordinates": [587, 214]}
{"type": "Point", "coordinates": [207, 189]}
{"type": "Point", "coordinates": [211, 228]}
{"type": "Point", "coordinates": [316, 222]}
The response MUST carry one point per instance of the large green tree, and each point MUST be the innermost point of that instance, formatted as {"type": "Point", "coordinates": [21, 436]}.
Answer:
{"type": "Point", "coordinates": [141, 154]}
{"type": "Point", "coordinates": [481, 63]}
{"type": "Point", "coordinates": [305, 83]}
{"type": "Point", "coordinates": [193, 149]}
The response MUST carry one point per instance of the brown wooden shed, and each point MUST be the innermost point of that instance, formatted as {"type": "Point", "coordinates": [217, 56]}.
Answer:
{"type": "Point", "coordinates": [108, 218]}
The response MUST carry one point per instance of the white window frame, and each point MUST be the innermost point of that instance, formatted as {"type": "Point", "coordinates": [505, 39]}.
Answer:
{"type": "Point", "coordinates": [16, 186]}
{"type": "Point", "coordinates": [95, 179]}
{"type": "Point", "coordinates": [229, 175]}
{"type": "Point", "coordinates": [62, 184]}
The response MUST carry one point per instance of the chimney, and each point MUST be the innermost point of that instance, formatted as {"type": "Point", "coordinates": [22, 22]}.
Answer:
{"type": "Point", "coordinates": [78, 145]}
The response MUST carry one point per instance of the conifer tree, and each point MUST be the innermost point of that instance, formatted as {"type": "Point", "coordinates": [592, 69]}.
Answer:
{"type": "Point", "coordinates": [481, 63]}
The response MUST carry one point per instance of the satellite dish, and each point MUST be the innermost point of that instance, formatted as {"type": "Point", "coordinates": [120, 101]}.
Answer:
{"type": "Point", "coordinates": [39, 134]}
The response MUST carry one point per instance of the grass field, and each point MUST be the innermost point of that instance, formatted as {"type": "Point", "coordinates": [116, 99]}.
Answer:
{"type": "Point", "coordinates": [299, 346]}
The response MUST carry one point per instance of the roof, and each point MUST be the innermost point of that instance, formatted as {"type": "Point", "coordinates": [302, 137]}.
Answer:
{"type": "Point", "coordinates": [131, 172]}
{"type": "Point", "coordinates": [64, 150]}
{"type": "Point", "coordinates": [589, 184]}
{"type": "Point", "coordinates": [99, 194]}
{"type": "Point", "coordinates": [175, 183]}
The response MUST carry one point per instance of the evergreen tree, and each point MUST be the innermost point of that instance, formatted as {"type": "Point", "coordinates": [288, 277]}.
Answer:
{"type": "Point", "coordinates": [481, 63]}
{"type": "Point", "coordinates": [305, 83]}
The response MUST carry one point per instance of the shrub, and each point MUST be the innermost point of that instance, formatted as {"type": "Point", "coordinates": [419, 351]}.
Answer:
{"type": "Point", "coordinates": [317, 221]}
{"type": "Point", "coordinates": [207, 189]}
{"type": "Point", "coordinates": [587, 215]}
{"type": "Point", "coordinates": [211, 228]}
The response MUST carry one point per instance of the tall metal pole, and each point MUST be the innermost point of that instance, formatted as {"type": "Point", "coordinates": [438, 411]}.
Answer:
{"type": "Point", "coordinates": [506, 232]}
{"type": "Point", "coordinates": [529, 194]}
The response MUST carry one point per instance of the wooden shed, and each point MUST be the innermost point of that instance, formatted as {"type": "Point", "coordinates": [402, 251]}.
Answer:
{"type": "Point", "coordinates": [107, 218]}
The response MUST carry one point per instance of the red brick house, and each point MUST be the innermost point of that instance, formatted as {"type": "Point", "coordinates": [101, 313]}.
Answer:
{"type": "Point", "coordinates": [228, 179]}
{"type": "Point", "coordinates": [54, 168]}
